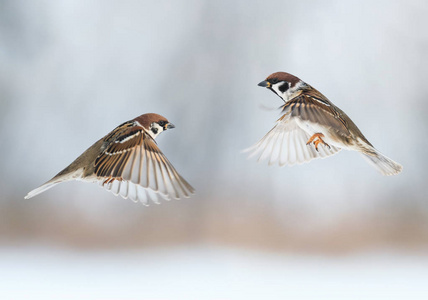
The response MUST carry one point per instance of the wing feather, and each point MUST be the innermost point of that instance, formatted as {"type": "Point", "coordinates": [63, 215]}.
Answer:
{"type": "Point", "coordinates": [133, 166]}
{"type": "Point", "coordinates": [314, 107]}
{"type": "Point", "coordinates": [285, 144]}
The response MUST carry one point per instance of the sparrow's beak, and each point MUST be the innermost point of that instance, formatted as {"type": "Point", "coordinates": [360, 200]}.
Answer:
{"type": "Point", "coordinates": [170, 126]}
{"type": "Point", "coordinates": [264, 84]}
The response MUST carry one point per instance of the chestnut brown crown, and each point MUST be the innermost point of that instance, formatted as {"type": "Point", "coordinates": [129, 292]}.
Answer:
{"type": "Point", "coordinates": [282, 76]}
{"type": "Point", "coordinates": [147, 119]}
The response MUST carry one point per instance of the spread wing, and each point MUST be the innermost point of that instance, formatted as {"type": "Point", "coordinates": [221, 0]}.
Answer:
{"type": "Point", "coordinates": [285, 144]}
{"type": "Point", "coordinates": [133, 166]}
{"type": "Point", "coordinates": [312, 106]}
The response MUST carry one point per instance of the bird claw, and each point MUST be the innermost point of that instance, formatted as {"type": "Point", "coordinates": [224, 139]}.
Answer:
{"type": "Point", "coordinates": [108, 180]}
{"type": "Point", "coordinates": [317, 139]}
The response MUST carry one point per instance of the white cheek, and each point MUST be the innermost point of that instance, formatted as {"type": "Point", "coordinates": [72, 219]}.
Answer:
{"type": "Point", "coordinates": [275, 87]}
{"type": "Point", "coordinates": [156, 126]}
{"type": "Point", "coordinates": [288, 93]}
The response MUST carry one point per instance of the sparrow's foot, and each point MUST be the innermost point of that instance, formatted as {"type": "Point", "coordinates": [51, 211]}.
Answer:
{"type": "Point", "coordinates": [317, 139]}
{"type": "Point", "coordinates": [109, 180]}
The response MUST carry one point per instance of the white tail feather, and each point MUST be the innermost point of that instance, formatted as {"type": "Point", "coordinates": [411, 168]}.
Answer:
{"type": "Point", "coordinates": [73, 175]}
{"type": "Point", "coordinates": [41, 189]}
{"type": "Point", "coordinates": [383, 164]}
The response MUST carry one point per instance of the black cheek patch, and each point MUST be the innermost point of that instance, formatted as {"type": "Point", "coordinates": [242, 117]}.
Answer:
{"type": "Point", "coordinates": [284, 87]}
{"type": "Point", "coordinates": [154, 130]}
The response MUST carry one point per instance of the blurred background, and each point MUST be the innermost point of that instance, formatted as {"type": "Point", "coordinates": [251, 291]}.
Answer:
{"type": "Point", "coordinates": [71, 71]}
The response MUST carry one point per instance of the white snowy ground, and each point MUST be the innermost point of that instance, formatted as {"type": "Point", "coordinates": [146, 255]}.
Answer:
{"type": "Point", "coordinates": [208, 273]}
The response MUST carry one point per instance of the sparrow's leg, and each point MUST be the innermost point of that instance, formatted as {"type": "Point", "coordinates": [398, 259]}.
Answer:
{"type": "Point", "coordinates": [317, 139]}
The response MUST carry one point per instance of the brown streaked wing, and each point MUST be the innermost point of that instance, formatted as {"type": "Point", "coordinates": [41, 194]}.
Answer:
{"type": "Point", "coordinates": [112, 161]}
{"type": "Point", "coordinates": [314, 107]}
{"type": "Point", "coordinates": [142, 170]}
{"type": "Point", "coordinates": [167, 178]}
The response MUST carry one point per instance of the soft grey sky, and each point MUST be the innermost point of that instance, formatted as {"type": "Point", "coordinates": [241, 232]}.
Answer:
{"type": "Point", "coordinates": [73, 70]}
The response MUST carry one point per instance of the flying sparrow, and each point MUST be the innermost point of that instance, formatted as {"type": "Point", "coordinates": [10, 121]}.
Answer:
{"type": "Point", "coordinates": [312, 127]}
{"type": "Point", "coordinates": [128, 162]}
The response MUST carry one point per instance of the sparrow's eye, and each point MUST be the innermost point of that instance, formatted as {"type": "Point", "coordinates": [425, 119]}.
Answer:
{"type": "Point", "coordinates": [162, 123]}
{"type": "Point", "coordinates": [273, 80]}
{"type": "Point", "coordinates": [285, 86]}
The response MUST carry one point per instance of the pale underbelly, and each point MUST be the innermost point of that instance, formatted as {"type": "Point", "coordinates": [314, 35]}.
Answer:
{"type": "Point", "coordinates": [331, 138]}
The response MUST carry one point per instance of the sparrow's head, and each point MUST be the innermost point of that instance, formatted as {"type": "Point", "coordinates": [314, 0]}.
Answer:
{"type": "Point", "coordinates": [283, 84]}
{"type": "Point", "coordinates": [154, 124]}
